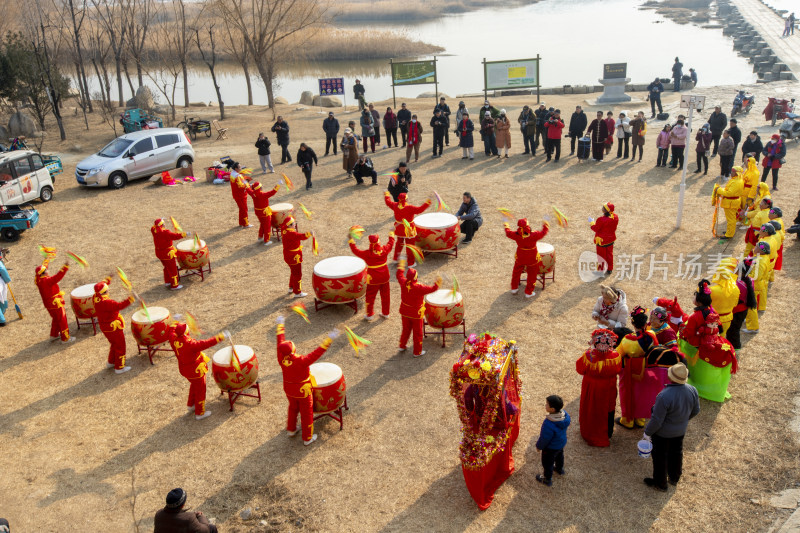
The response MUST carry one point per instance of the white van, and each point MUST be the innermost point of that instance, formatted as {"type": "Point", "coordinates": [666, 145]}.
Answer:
{"type": "Point", "coordinates": [23, 178]}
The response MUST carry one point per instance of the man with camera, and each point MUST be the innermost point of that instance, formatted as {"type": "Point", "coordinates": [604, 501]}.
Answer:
{"type": "Point", "coordinates": [554, 126]}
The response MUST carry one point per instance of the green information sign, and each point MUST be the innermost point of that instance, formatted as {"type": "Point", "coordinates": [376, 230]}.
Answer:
{"type": "Point", "coordinates": [414, 72]}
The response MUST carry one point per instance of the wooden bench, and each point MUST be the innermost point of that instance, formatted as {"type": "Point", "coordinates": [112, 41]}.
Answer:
{"type": "Point", "coordinates": [221, 132]}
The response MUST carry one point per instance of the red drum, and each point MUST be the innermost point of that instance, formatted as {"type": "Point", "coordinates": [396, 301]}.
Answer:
{"type": "Point", "coordinates": [226, 376]}
{"type": "Point", "coordinates": [81, 300]}
{"type": "Point", "coordinates": [191, 256]}
{"type": "Point", "coordinates": [436, 231]}
{"type": "Point", "coordinates": [548, 254]}
{"type": "Point", "coordinates": [151, 331]}
{"type": "Point", "coordinates": [340, 279]}
{"type": "Point", "coordinates": [442, 310]}
{"type": "Point", "coordinates": [281, 212]}
{"type": "Point", "coordinates": [328, 387]}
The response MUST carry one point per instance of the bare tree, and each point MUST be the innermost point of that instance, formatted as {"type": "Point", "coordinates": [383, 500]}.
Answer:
{"type": "Point", "coordinates": [73, 16]}
{"type": "Point", "coordinates": [210, 59]}
{"type": "Point", "coordinates": [265, 26]}
{"type": "Point", "coordinates": [112, 18]}
{"type": "Point", "coordinates": [140, 14]}
{"type": "Point", "coordinates": [182, 40]}
{"type": "Point", "coordinates": [237, 48]}
{"type": "Point", "coordinates": [99, 52]}
{"type": "Point", "coordinates": [165, 70]}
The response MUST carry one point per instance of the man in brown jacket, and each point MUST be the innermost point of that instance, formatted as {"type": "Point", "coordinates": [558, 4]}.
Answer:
{"type": "Point", "coordinates": [173, 519]}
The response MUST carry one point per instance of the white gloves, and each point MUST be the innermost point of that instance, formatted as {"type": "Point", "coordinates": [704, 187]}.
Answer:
{"type": "Point", "coordinates": [177, 316]}
{"type": "Point", "coordinates": [655, 300]}
{"type": "Point", "coordinates": [647, 438]}
{"type": "Point", "coordinates": [280, 320]}
{"type": "Point", "coordinates": [333, 334]}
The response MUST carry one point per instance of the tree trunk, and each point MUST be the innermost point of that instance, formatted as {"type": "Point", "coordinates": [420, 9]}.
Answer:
{"type": "Point", "coordinates": [82, 71]}
{"type": "Point", "coordinates": [84, 94]}
{"type": "Point", "coordinates": [265, 72]}
{"type": "Point", "coordinates": [128, 76]}
{"type": "Point", "coordinates": [100, 83]}
{"type": "Point", "coordinates": [246, 69]}
{"type": "Point", "coordinates": [219, 94]}
{"type": "Point", "coordinates": [56, 103]}
{"type": "Point", "coordinates": [139, 77]}
{"type": "Point", "coordinates": [118, 61]}
{"type": "Point", "coordinates": [185, 82]}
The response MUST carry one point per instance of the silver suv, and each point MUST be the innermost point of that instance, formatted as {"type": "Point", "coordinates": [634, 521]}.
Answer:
{"type": "Point", "coordinates": [136, 155]}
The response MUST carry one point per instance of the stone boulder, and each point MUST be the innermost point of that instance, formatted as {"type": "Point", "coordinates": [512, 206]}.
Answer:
{"type": "Point", "coordinates": [20, 124]}
{"type": "Point", "coordinates": [307, 98]}
{"type": "Point", "coordinates": [280, 100]}
{"type": "Point", "coordinates": [432, 94]}
{"type": "Point", "coordinates": [143, 99]}
{"type": "Point", "coordinates": [327, 101]}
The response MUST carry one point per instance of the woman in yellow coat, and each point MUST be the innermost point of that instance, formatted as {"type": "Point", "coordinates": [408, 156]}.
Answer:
{"type": "Point", "coordinates": [759, 272]}
{"type": "Point", "coordinates": [724, 292]}
{"type": "Point", "coordinates": [768, 234]}
{"type": "Point", "coordinates": [751, 179]}
{"type": "Point", "coordinates": [756, 217]}
{"type": "Point", "coordinates": [731, 201]}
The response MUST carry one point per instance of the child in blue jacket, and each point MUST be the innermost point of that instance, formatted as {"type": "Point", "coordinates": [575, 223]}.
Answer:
{"type": "Point", "coordinates": [552, 439]}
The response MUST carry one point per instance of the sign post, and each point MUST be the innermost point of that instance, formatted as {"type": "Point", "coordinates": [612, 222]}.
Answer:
{"type": "Point", "coordinates": [414, 73]}
{"type": "Point", "coordinates": [691, 102]}
{"type": "Point", "coordinates": [511, 74]}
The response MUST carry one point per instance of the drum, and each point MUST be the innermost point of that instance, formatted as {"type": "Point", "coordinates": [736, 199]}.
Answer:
{"type": "Point", "coordinates": [226, 376]}
{"type": "Point", "coordinates": [328, 387]}
{"type": "Point", "coordinates": [151, 331]}
{"type": "Point", "coordinates": [281, 212]}
{"type": "Point", "coordinates": [340, 279]}
{"type": "Point", "coordinates": [442, 310]}
{"type": "Point", "coordinates": [436, 231]}
{"type": "Point", "coordinates": [191, 256]}
{"type": "Point", "coordinates": [81, 300]}
{"type": "Point", "coordinates": [548, 254]}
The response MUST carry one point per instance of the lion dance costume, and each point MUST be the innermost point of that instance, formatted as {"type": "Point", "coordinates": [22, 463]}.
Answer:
{"type": "Point", "coordinates": [193, 365]}
{"type": "Point", "coordinates": [53, 300]}
{"type": "Point", "coordinates": [165, 252]}
{"type": "Point", "coordinates": [527, 258]}
{"type": "Point", "coordinates": [378, 275]}
{"type": "Point", "coordinates": [112, 324]}
{"type": "Point", "coordinates": [403, 211]}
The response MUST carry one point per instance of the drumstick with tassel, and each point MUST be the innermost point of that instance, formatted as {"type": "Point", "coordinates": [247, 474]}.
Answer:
{"type": "Point", "coordinates": [16, 305]}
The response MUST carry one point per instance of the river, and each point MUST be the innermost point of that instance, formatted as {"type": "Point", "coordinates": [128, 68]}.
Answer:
{"type": "Point", "coordinates": [573, 37]}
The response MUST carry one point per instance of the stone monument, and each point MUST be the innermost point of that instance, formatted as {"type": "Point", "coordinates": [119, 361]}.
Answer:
{"type": "Point", "coordinates": [614, 82]}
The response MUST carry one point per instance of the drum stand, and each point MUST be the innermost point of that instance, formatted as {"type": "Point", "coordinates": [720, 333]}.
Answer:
{"type": "Point", "coordinates": [151, 350]}
{"type": "Point", "coordinates": [319, 304]}
{"type": "Point", "coordinates": [86, 322]}
{"type": "Point", "coordinates": [201, 272]}
{"type": "Point", "coordinates": [541, 278]}
{"type": "Point", "coordinates": [452, 252]}
{"type": "Point", "coordinates": [234, 395]}
{"type": "Point", "coordinates": [444, 331]}
{"type": "Point", "coordinates": [337, 414]}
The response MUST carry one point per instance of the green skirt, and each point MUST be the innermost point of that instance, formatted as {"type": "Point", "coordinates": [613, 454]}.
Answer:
{"type": "Point", "coordinates": [710, 381]}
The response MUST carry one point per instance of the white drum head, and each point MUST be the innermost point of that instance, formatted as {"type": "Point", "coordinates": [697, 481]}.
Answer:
{"type": "Point", "coordinates": [83, 292]}
{"type": "Point", "coordinates": [436, 220]}
{"type": "Point", "coordinates": [342, 266]}
{"type": "Point", "coordinates": [188, 245]}
{"type": "Point", "coordinates": [545, 248]}
{"type": "Point", "coordinates": [443, 298]}
{"type": "Point", "coordinates": [223, 356]}
{"type": "Point", "coordinates": [281, 207]}
{"type": "Point", "coordinates": [157, 314]}
{"type": "Point", "coordinates": [325, 373]}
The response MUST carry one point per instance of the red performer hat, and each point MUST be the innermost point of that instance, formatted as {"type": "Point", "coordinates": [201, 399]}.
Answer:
{"type": "Point", "coordinates": [523, 225]}
{"type": "Point", "coordinates": [256, 186]}
{"type": "Point", "coordinates": [373, 239]}
{"type": "Point", "coordinates": [603, 339]}
{"type": "Point", "coordinates": [609, 207]}
{"type": "Point", "coordinates": [41, 269]}
{"type": "Point", "coordinates": [286, 348]}
{"type": "Point", "coordinates": [288, 222]}
{"type": "Point", "coordinates": [180, 329]}
{"type": "Point", "coordinates": [411, 274]}
{"type": "Point", "coordinates": [401, 198]}
{"type": "Point", "coordinates": [776, 136]}
{"type": "Point", "coordinates": [159, 222]}
{"type": "Point", "coordinates": [100, 288]}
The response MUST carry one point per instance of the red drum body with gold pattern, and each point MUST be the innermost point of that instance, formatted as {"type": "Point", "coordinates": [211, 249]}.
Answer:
{"type": "Point", "coordinates": [81, 300]}
{"type": "Point", "coordinates": [548, 254]}
{"type": "Point", "coordinates": [281, 212]}
{"type": "Point", "coordinates": [226, 375]}
{"type": "Point", "coordinates": [443, 309]}
{"type": "Point", "coordinates": [192, 255]}
{"type": "Point", "coordinates": [340, 279]}
{"type": "Point", "coordinates": [328, 387]}
{"type": "Point", "coordinates": [151, 331]}
{"type": "Point", "coordinates": [436, 232]}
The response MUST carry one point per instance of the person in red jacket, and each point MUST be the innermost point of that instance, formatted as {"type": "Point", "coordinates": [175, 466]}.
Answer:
{"type": "Point", "coordinates": [605, 234]}
{"type": "Point", "coordinates": [412, 306]}
{"type": "Point", "coordinates": [166, 253]}
{"type": "Point", "coordinates": [554, 127]}
{"type": "Point", "coordinates": [599, 366]}
{"type": "Point", "coordinates": [263, 212]}
{"type": "Point", "coordinates": [293, 255]}
{"type": "Point", "coordinates": [527, 258]}
{"type": "Point", "coordinates": [53, 300]}
{"type": "Point", "coordinates": [377, 273]}
{"type": "Point", "coordinates": [112, 324]}
{"type": "Point", "coordinates": [297, 382]}
{"type": "Point", "coordinates": [404, 211]}
{"type": "Point", "coordinates": [193, 364]}
{"type": "Point", "coordinates": [239, 191]}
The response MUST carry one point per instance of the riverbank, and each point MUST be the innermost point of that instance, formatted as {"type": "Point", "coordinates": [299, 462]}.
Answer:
{"type": "Point", "coordinates": [413, 10]}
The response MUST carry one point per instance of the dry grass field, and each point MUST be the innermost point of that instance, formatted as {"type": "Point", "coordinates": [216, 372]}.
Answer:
{"type": "Point", "coordinates": [87, 450]}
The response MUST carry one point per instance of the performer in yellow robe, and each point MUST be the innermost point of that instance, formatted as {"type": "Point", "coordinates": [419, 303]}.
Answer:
{"type": "Point", "coordinates": [759, 272]}
{"type": "Point", "coordinates": [724, 292]}
{"type": "Point", "coordinates": [751, 179]}
{"type": "Point", "coordinates": [731, 195]}
{"type": "Point", "coordinates": [768, 234]}
{"type": "Point", "coordinates": [757, 217]}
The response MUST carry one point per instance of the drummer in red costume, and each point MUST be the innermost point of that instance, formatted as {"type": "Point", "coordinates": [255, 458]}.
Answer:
{"type": "Point", "coordinates": [112, 324]}
{"type": "Point", "coordinates": [297, 382]}
{"type": "Point", "coordinates": [239, 190]}
{"type": "Point", "coordinates": [166, 253]}
{"type": "Point", "coordinates": [605, 233]}
{"type": "Point", "coordinates": [404, 211]}
{"type": "Point", "coordinates": [193, 364]}
{"type": "Point", "coordinates": [53, 300]}
{"type": "Point", "coordinates": [412, 306]}
{"type": "Point", "coordinates": [293, 255]}
{"type": "Point", "coordinates": [263, 212]}
{"type": "Point", "coordinates": [527, 258]}
{"type": "Point", "coordinates": [378, 275]}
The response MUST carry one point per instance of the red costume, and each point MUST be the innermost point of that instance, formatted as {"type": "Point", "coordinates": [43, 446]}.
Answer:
{"type": "Point", "coordinates": [53, 300]}
{"type": "Point", "coordinates": [111, 322]}
{"type": "Point", "coordinates": [605, 233]}
{"type": "Point", "coordinates": [297, 383]}
{"type": "Point", "coordinates": [599, 367]}
{"type": "Point", "coordinates": [676, 315]}
{"type": "Point", "coordinates": [293, 253]}
{"type": "Point", "coordinates": [404, 211]}
{"type": "Point", "coordinates": [192, 363]}
{"type": "Point", "coordinates": [527, 258]}
{"type": "Point", "coordinates": [412, 306]}
{"type": "Point", "coordinates": [239, 190]}
{"type": "Point", "coordinates": [378, 276]}
{"type": "Point", "coordinates": [261, 207]}
{"type": "Point", "coordinates": [165, 252]}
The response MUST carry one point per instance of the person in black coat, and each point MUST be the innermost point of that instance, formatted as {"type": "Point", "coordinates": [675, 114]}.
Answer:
{"type": "Point", "coordinates": [359, 92]}
{"type": "Point", "coordinates": [262, 143]}
{"type": "Point", "coordinates": [541, 118]}
{"type": "Point", "coordinates": [400, 181]}
{"type": "Point", "coordinates": [305, 156]}
{"type": "Point", "coordinates": [752, 145]}
{"type": "Point", "coordinates": [440, 125]}
{"type": "Point", "coordinates": [577, 123]}
{"type": "Point", "coordinates": [173, 518]}
{"type": "Point", "coordinates": [677, 74]}
{"type": "Point", "coordinates": [736, 134]}
{"type": "Point", "coordinates": [445, 109]}
{"type": "Point", "coordinates": [717, 121]}
{"type": "Point", "coordinates": [281, 130]}
{"type": "Point", "coordinates": [364, 168]}
{"type": "Point", "coordinates": [403, 118]}
{"type": "Point", "coordinates": [331, 128]}
{"type": "Point", "coordinates": [655, 89]}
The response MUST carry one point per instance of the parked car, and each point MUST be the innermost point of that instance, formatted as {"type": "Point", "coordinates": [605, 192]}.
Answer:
{"type": "Point", "coordinates": [136, 155]}
{"type": "Point", "coordinates": [24, 177]}
{"type": "Point", "coordinates": [15, 220]}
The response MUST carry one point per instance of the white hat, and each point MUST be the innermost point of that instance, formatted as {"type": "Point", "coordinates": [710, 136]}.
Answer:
{"type": "Point", "coordinates": [487, 114]}
{"type": "Point", "coordinates": [348, 130]}
{"type": "Point", "coordinates": [502, 111]}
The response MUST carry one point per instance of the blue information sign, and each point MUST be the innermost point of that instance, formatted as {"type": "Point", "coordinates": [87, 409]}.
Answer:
{"type": "Point", "coordinates": [329, 86]}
